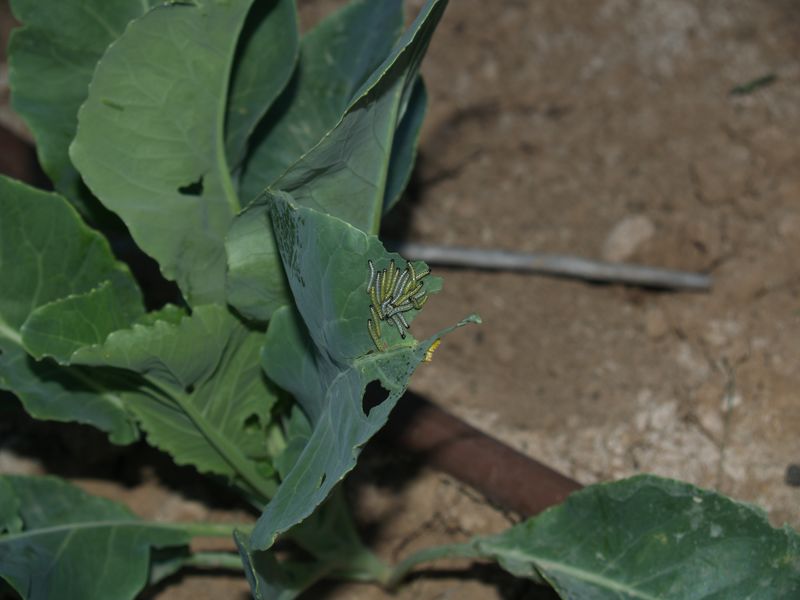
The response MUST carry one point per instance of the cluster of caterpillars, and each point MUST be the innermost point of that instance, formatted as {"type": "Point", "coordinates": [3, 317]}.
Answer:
{"type": "Point", "coordinates": [392, 293]}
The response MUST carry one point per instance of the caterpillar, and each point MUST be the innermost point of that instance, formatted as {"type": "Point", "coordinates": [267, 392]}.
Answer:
{"type": "Point", "coordinates": [393, 291]}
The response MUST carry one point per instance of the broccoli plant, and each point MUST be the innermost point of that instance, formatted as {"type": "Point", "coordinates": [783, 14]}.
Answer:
{"type": "Point", "coordinates": [255, 165]}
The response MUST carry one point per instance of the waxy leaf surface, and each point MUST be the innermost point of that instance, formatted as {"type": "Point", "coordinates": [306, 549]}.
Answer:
{"type": "Point", "coordinates": [329, 536]}
{"type": "Point", "coordinates": [347, 172]}
{"type": "Point", "coordinates": [151, 135]}
{"type": "Point", "coordinates": [203, 398]}
{"type": "Point", "coordinates": [336, 57]}
{"type": "Point", "coordinates": [323, 354]}
{"type": "Point", "coordinates": [49, 257]}
{"type": "Point", "coordinates": [648, 538]}
{"type": "Point", "coordinates": [265, 59]}
{"type": "Point", "coordinates": [52, 58]}
{"type": "Point", "coordinates": [59, 543]}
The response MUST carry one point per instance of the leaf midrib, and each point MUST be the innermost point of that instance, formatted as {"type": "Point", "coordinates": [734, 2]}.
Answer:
{"type": "Point", "coordinates": [546, 565]}
{"type": "Point", "coordinates": [86, 525]}
{"type": "Point", "coordinates": [8, 332]}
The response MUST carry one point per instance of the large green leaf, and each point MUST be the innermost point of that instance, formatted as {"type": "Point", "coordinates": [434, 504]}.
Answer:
{"type": "Point", "coordinates": [204, 398]}
{"type": "Point", "coordinates": [347, 172]}
{"type": "Point", "coordinates": [151, 137]}
{"type": "Point", "coordinates": [649, 538]}
{"type": "Point", "coordinates": [336, 57]}
{"type": "Point", "coordinates": [48, 256]}
{"type": "Point", "coordinates": [324, 355]}
{"type": "Point", "coordinates": [264, 62]}
{"type": "Point", "coordinates": [52, 58]}
{"type": "Point", "coordinates": [59, 543]}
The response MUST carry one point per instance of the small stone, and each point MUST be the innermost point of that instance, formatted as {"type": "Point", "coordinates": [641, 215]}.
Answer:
{"type": "Point", "coordinates": [792, 477]}
{"type": "Point", "coordinates": [626, 237]}
{"type": "Point", "coordinates": [656, 325]}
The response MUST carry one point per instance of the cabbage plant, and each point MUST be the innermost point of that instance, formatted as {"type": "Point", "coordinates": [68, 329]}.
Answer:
{"type": "Point", "coordinates": [254, 165]}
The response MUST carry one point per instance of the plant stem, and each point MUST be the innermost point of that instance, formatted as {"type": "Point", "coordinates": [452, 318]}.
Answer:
{"type": "Point", "coordinates": [212, 529]}
{"type": "Point", "coordinates": [214, 560]}
{"type": "Point", "coordinates": [365, 567]}
{"type": "Point", "coordinates": [402, 569]}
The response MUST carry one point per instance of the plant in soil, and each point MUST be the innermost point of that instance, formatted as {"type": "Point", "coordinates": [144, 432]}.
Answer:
{"type": "Point", "coordinates": [255, 165]}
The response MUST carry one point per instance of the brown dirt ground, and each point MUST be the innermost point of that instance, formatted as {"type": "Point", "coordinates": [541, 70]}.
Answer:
{"type": "Point", "coordinates": [600, 128]}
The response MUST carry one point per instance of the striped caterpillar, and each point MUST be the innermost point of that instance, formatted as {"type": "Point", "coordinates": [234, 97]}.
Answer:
{"type": "Point", "coordinates": [393, 292]}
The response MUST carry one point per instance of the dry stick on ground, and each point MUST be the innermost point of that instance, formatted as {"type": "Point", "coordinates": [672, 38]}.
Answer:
{"type": "Point", "coordinates": [554, 264]}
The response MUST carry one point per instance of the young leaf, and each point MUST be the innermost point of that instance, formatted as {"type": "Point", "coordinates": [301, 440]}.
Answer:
{"type": "Point", "coordinates": [151, 136]}
{"type": "Point", "coordinates": [63, 544]}
{"type": "Point", "coordinates": [346, 173]}
{"type": "Point", "coordinates": [325, 356]}
{"type": "Point", "coordinates": [51, 60]}
{"type": "Point", "coordinates": [47, 255]}
{"type": "Point", "coordinates": [652, 538]}
{"type": "Point", "coordinates": [336, 57]}
{"type": "Point", "coordinates": [265, 59]}
{"type": "Point", "coordinates": [204, 399]}
{"type": "Point", "coordinates": [354, 156]}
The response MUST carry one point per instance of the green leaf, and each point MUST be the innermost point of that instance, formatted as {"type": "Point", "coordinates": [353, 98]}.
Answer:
{"type": "Point", "coordinates": [273, 579]}
{"type": "Point", "coordinates": [329, 536]}
{"type": "Point", "coordinates": [70, 545]}
{"type": "Point", "coordinates": [265, 60]}
{"type": "Point", "coordinates": [325, 356]}
{"type": "Point", "coordinates": [355, 155]}
{"type": "Point", "coordinates": [48, 391]}
{"type": "Point", "coordinates": [204, 398]}
{"type": "Point", "coordinates": [48, 254]}
{"type": "Point", "coordinates": [151, 138]}
{"type": "Point", "coordinates": [51, 60]}
{"type": "Point", "coordinates": [336, 57]}
{"type": "Point", "coordinates": [347, 173]}
{"type": "Point", "coordinates": [404, 146]}
{"type": "Point", "coordinates": [61, 327]}
{"type": "Point", "coordinates": [650, 538]}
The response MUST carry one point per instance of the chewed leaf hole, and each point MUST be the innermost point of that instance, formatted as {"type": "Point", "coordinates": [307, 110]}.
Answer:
{"type": "Point", "coordinates": [192, 189]}
{"type": "Point", "coordinates": [374, 395]}
{"type": "Point", "coordinates": [322, 480]}
{"type": "Point", "coordinates": [252, 423]}
{"type": "Point", "coordinates": [189, 389]}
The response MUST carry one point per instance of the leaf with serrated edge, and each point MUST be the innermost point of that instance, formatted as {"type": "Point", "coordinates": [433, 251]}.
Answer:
{"type": "Point", "coordinates": [326, 357]}
{"type": "Point", "coordinates": [48, 254]}
{"type": "Point", "coordinates": [75, 546]}
{"type": "Point", "coordinates": [204, 399]}
{"type": "Point", "coordinates": [649, 538]}
{"type": "Point", "coordinates": [150, 141]}
{"type": "Point", "coordinates": [59, 328]}
{"type": "Point", "coordinates": [345, 174]}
